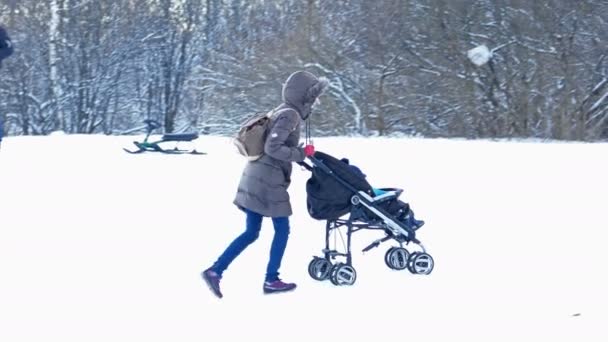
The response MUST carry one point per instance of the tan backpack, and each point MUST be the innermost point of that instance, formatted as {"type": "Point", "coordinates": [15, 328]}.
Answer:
{"type": "Point", "coordinates": [251, 136]}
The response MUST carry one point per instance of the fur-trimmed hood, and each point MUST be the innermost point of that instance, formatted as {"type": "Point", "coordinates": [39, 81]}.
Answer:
{"type": "Point", "coordinates": [301, 90]}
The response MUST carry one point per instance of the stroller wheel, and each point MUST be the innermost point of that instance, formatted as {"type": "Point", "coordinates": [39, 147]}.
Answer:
{"type": "Point", "coordinates": [332, 273]}
{"type": "Point", "coordinates": [386, 257]}
{"type": "Point", "coordinates": [420, 263]}
{"type": "Point", "coordinates": [343, 274]}
{"type": "Point", "coordinates": [397, 258]}
{"type": "Point", "coordinates": [319, 268]}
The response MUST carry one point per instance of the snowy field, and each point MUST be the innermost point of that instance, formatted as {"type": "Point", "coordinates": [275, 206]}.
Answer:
{"type": "Point", "coordinates": [100, 245]}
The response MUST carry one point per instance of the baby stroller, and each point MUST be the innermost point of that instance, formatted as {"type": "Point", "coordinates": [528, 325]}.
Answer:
{"type": "Point", "coordinates": [335, 190]}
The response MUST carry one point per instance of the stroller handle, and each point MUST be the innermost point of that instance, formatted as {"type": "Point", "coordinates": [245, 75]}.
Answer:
{"type": "Point", "coordinates": [305, 165]}
{"type": "Point", "coordinates": [316, 162]}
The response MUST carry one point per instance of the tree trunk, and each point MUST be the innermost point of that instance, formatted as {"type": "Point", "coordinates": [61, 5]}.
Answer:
{"type": "Point", "coordinates": [54, 81]}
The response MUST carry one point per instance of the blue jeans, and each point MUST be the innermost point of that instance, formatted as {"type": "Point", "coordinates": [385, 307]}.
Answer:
{"type": "Point", "coordinates": [251, 233]}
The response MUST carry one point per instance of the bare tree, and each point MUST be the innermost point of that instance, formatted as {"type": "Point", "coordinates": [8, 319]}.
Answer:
{"type": "Point", "coordinates": [395, 66]}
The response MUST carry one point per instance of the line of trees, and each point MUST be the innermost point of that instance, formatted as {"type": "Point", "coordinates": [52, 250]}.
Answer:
{"type": "Point", "coordinates": [395, 66]}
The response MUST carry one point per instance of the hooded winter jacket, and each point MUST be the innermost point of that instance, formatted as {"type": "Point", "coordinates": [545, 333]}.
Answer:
{"type": "Point", "coordinates": [264, 182]}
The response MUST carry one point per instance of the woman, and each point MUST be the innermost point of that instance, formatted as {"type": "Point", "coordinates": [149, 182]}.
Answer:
{"type": "Point", "coordinates": [262, 190]}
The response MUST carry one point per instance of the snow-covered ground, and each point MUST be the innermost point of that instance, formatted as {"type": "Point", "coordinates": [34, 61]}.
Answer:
{"type": "Point", "coordinates": [100, 245]}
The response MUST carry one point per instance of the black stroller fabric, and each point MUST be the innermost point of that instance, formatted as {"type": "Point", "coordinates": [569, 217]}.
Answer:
{"type": "Point", "coordinates": [328, 198]}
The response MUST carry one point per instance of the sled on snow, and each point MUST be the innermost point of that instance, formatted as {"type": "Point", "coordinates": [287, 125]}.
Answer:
{"type": "Point", "coordinates": [155, 145]}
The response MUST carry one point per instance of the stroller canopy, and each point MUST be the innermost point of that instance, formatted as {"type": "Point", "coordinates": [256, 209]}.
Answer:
{"type": "Point", "coordinates": [331, 186]}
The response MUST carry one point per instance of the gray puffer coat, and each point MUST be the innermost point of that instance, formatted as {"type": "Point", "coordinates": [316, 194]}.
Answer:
{"type": "Point", "coordinates": [264, 182]}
